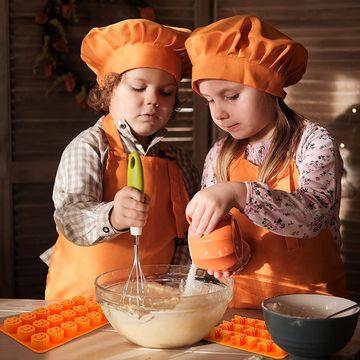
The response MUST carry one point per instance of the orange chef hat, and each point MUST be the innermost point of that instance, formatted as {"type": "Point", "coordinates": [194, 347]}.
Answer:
{"type": "Point", "coordinates": [244, 49]}
{"type": "Point", "coordinates": [136, 43]}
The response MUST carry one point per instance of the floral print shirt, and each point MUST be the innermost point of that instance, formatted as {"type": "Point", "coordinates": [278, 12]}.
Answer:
{"type": "Point", "coordinates": [306, 211]}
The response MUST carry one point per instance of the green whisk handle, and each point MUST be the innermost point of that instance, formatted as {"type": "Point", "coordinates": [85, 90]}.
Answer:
{"type": "Point", "coordinates": [135, 179]}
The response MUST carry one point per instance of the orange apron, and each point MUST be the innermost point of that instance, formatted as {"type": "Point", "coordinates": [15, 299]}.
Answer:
{"type": "Point", "coordinates": [73, 268]}
{"type": "Point", "coordinates": [279, 264]}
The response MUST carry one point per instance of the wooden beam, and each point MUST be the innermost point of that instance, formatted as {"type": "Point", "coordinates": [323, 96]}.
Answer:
{"type": "Point", "coordinates": [6, 233]}
{"type": "Point", "coordinates": [34, 172]}
{"type": "Point", "coordinates": [203, 13]}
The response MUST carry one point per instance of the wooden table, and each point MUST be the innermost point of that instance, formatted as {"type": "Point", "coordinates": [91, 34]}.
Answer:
{"type": "Point", "coordinates": [106, 344]}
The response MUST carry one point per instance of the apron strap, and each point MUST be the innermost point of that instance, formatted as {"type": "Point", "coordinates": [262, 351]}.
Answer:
{"type": "Point", "coordinates": [113, 135]}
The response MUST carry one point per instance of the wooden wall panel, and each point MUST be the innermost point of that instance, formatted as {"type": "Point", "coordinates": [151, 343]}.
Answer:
{"type": "Point", "coordinates": [43, 125]}
{"type": "Point", "coordinates": [6, 240]}
{"type": "Point", "coordinates": [35, 128]}
{"type": "Point", "coordinates": [329, 93]}
{"type": "Point", "coordinates": [39, 126]}
{"type": "Point", "coordinates": [33, 231]}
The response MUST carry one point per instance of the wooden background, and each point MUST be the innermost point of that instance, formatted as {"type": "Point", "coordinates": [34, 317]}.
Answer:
{"type": "Point", "coordinates": [35, 128]}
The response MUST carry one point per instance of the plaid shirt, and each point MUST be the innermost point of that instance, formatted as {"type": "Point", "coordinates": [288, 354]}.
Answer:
{"type": "Point", "coordinates": [80, 214]}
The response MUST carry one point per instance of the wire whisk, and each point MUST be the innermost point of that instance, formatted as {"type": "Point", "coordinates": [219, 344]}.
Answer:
{"type": "Point", "coordinates": [135, 285]}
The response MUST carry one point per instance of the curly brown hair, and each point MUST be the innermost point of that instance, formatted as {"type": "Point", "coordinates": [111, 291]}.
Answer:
{"type": "Point", "coordinates": [100, 96]}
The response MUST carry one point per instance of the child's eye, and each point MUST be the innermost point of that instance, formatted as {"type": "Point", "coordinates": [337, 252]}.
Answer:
{"type": "Point", "coordinates": [166, 92]}
{"type": "Point", "coordinates": [138, 89]}
{"type": "Point", "coordinates": [232, 97]}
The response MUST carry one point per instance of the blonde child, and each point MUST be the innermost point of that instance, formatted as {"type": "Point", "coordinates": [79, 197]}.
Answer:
{"type": "Point", "coordinates": [278, 173]}
{"type": "Point", "coordinates": [139, 65]}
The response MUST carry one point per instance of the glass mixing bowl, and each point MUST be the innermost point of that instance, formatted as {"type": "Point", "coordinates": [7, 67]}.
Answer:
{"type": "Point", "coordinates": [178, 310]}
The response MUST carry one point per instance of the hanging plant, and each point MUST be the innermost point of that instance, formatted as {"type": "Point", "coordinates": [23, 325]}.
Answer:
{"type": "Point", "coordinates": [55, 15]}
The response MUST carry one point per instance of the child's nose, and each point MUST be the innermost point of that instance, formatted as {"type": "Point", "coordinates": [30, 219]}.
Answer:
{"type": "Point", "coordinates": [220, 113]}
{"type": "Point", "coordinates": [152, 99]}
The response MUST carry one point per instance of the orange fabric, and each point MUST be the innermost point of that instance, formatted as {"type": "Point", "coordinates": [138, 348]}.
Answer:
{"type": "Point", "coordinates": [74, 268]}
{"type": "Point", "coordinates": [282, 265]}
{"type": "Point", "coordinates": [247, 50]}
{"type": "Point", "coordinates": [136, 43]}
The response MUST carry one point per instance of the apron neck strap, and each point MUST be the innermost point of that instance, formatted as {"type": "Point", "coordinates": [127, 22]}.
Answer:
{"type": "Point", "coordinates": [113, 135]}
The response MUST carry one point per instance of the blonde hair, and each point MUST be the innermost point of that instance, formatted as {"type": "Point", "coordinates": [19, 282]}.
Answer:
{"type": "Point", "coordinates": [286, 137]}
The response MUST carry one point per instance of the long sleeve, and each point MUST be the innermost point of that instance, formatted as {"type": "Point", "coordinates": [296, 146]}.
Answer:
{"type": "Point", "coordinates": [314, 205]}
{"type": "Point", "coordinates": [80, 214]}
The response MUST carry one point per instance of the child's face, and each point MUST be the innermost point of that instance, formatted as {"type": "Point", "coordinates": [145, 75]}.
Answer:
{"type": "Point", "coordinates": [145, 98]}
{"type": "Point", "coordinates": [242, 111]}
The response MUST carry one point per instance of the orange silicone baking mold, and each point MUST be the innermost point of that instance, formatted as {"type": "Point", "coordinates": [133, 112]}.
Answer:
{"type": "Point", "coordinates": [48, 327]}
{"type": "Point", "coordinates": [246, 334]}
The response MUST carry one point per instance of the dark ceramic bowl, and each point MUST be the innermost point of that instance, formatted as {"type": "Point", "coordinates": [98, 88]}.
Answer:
{"type": "Point", "coordinates": [298, 324]}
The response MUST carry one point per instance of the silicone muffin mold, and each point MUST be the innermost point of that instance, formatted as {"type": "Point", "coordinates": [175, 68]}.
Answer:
{"type": "Point", "coordinates": [48, 327]}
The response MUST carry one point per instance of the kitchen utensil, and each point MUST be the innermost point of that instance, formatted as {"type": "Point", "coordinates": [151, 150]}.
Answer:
{"type": "Point", "coordinates": [247, 334]}
{"type": "Point", "coordinates": [298, 324]}
{"type": "Point", "coordinates": [219, 250]}
{"type": "Point", "coordinates": [45, 328]}
{"type": "Point", "coordinates": [169, 318]}
{"type": "Point", "coordinates": [343, 310]}
{"type": "Point", "coordinates": [135, 285]}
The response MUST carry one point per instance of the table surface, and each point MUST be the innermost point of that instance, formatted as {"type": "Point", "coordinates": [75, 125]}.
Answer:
{"type": "Point", "coordinates": [106, 344]}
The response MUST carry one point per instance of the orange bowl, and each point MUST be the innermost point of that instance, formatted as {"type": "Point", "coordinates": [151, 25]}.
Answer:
{"type": "Point", "coordinates": [219, 250]}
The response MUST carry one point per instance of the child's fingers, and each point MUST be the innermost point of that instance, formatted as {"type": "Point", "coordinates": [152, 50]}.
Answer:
{"type": "Point", "coordinates": [134, 214]}
{"type": "Point", "coordinates": [214, 219]}
{"type": "Point", "coordinates": [135, 194]}
{"type": "Point", "coordinates": [218, 274]}
{"type": "Point", "coordinates": [132, 198]}
{"type": "Point", "coordinates": [198, 222]}
{"type": "Point", "coordinates": [129, 209]}
{"type": "Point", "coordinates": [206, 221]}
{"type": "Point", "coordinates": [190, 208]}
{"type": "Point", "coordinates": [136, 205]}
{"type": "Point", "coordinates": [146, 199]}
{"type": "Point", "coordinates": [226, 274]}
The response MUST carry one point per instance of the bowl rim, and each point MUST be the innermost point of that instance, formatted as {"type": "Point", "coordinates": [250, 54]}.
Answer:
{"type": "Point", "coordinates": [273, 298]}
{"type": "Point", "coordinates": [225, 287]}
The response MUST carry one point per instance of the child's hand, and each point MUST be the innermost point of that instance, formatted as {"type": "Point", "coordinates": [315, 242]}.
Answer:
{"type": "Point", "coordinates": [131, 208]}
{"type": "Point", "coordinates": [219, 274]}
{"type": "Point", "coordinates": [209, 205]}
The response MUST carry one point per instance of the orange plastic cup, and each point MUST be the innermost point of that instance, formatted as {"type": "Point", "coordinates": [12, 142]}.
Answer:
{"type": "Point", "coordinates": [70, 328]}
{"type": "Point", "coordinates": [68, 304]}
{"type": "Point", "coordinates": [42, 312]}
{"type": "Point", "coordinates": [40, 341]}
{"type": "Point", "coordinates": [82, 322]}
{"type": "Point", "coordinates": [95, 317]}
{"type": "Point", "coordinates": [24, 332]}
{"type": "Point", "coordinates": [55, 308]}
{"type": "Point", "coordinates": [56, 334]}
{"type": "Point", "coordinates": [79, 300]}
{"type": "Point", "coordinates": [80, 310]}
{"type": "Point", "coordinates": [92, 305]}
{"type": "Point", "coordinates": [11, 324]}
{"type": "Point", "coordinates": [55, 319]}
{"type": "Point", "coordinates": [221, 249]}
{"type": "Point", "coordinates": [41, 325]}
{"type": "Point", "coordinates": [68, 315]}
{"type": "Point", "coordinates": [27, 318]}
